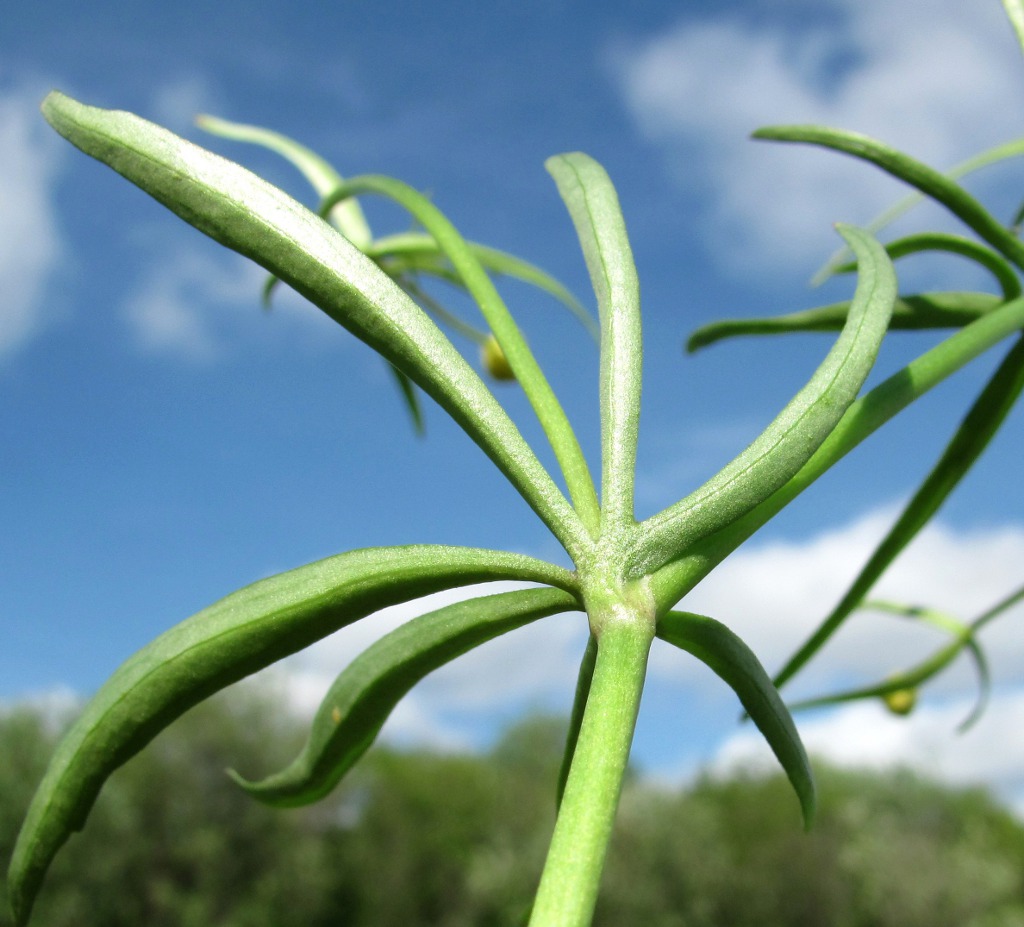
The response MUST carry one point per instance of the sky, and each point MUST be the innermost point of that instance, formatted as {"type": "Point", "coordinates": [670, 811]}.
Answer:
{"type": "Point", "coordinates": [166, 441]}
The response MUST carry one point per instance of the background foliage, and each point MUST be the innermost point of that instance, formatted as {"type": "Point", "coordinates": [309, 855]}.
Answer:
{"type": "Point", "coordinates": [458, 840]}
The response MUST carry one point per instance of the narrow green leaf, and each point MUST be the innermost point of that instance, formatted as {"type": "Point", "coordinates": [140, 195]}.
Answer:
{"type": "Point", "coordinates": [929, 181]}
{"type": "Point", "coordinates": [786, 445]}
{"type": "Point", "coordinates": [862, 419]}
{"type": "Point", "coordinates": [909, 313]}
{"type": "Point", "coordinates": [412, 402]}
{"type": "Point", "coordinates": [364, 695]}
{"type": "Point", "coordinates": [237, 636]}
{"type": "Point", "coordinates": [927, 242]}
{"type": "Point", "coordinates": [912, 679]}
{"type": "Point", "coordinates": [1015, 10]}
{"type": "Point", "coordinates": [988, 157]}
{"type": "Point", "coordinates": [242, 212]}
{"type": "Point", "coordinates": [594, 207]}
{"type": "Point", "coordinates": [347, 217]}
{"type": "Point", "coordinates": [496, 261]}
{"type": "Point", "coordinates": [579, 705]}
{"type": "Point", "coordinates": [979, 426]}
{"type": "Point", "coordinates": [480, 286]}
{"type": "Point", "coordinates": [727, 656]}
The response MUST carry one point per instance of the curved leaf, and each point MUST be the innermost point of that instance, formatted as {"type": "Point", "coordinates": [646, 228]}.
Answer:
{"type": "Point", "coordinates": [412, 402]}
{"type": "Point", "coordinates": [791, 439]}
{"type": "Point", "coordinates": [347, 218]}
{"type": "Point", "coordinates": [979, 426]}
{"type": "Point", "coordinates": [238, 635]}
{"type": "Point", "coordinates": [929, 181]}
{"type": "Point", "coordinates": [863, 418]}
{"type": "Point", "coordinates": [408, 244]}
{"type": "Point", "coordinates": [909, 313]}
{"type": "Point", "coordinates": [594, 207]}
{"type": "Point", "coordinates": [1015, 10]}
{"type": "Point", "coordinates": [994, 155]}
{"type": "Point", "coordinates": [361, 698]}
{"type": "Point", "coordinates": [731, 660]}
{"type": "Point", "coordinates": [908, 681]}
{"type": "Point", "coordinates": [924, 242]}
{"type": "Point", "coordinates": [242, 212]}
{"type": "Point", "coordinates": [527, 371]}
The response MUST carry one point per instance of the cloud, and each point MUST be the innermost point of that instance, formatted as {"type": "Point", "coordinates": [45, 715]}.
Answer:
{"type": "Point", "coordinates": [775, 594]}
{"type": "Point", "coordinates": [177, 103]}
{"type": "Point", "coordinates": [530, 667]}
{"type": "Point", "coordinates": [772, 594]}
{"type": "Point", "coordinates": [865, 736]}
{"type": "Point", "coordinates": [939, 79]}
{"type": "Point", "coordinates": [197, 302]}
{"type": "Point", "coordinates": [31, 245]}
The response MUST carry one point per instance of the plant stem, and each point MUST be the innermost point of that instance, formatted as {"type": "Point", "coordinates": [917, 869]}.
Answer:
{"type": "Point", "coordinates": [572, 873]}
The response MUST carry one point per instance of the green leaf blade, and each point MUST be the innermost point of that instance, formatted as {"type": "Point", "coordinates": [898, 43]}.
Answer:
{"type": "Point", "coordinates": [1003, 152]}
{"type": "Point", "coordinates": [975, 432]}
{"type": "Point", "coordinates": [732, 660]}
{"type": "Point", "coordinates": [244, 213]}
{"type": "Point", "coordinates": [915, 312]}
{"type": "Point", "coordinates": [467, 264]}
{"type": "Point", "coordinates": [233, 638]}
{"type": "Point", "coordinates": [363, 696]}
{"type": "Point", "coordinates": [929, 181]}
{"type": "Point", "coordinates": [594, 207]}
{"type": "Point", "coordinates": [347, 217]}
{"type": "Point", "coordinates": [863, 418]}
{"type": "Point", "coordinates": [786, 445]}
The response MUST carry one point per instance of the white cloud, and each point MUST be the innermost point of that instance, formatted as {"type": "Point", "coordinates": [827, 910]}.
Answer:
{"type": "Point", "coordinates": [29, 241]}
{"type": "Point", "coordinates": [939, 78]}
{"type": "Point", "coordinates": [774, 595]}
{"type": "Point", "coordinates": [864, 735]}
{"type": "Point", "coordinates": [177, 103]}
{"type": "Point", "coordinates": [197, 301]}
{"type": "Point", "coordinates": [531, 666]}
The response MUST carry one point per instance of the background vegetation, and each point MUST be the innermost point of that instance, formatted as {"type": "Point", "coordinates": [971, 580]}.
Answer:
{"type": "Point", "coordinates": [417, 838]}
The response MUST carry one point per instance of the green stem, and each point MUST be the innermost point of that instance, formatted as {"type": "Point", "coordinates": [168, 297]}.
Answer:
{"type": "Point", "coordinates": [572, 873]}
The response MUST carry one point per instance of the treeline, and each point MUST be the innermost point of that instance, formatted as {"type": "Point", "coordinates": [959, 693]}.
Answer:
{"type": "Point", "coordinates": [417, 839]}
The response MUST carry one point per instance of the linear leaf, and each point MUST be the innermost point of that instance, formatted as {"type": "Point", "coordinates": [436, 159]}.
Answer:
{"type": "Point", "coordinates": [986, 158]}
{"type": "Point", "coordinates": [863, 418]}
{"type": "Point", "coordinates": [412, 402]}
{"type": "Point", "coordinates": [238, 635]}
{"type": "Point", "coordinates": [594, 207]}
{"type": "Point", "coordinates": [496, 261]}
{"type": "Point", "coordinates": [909, 313]}
{"type": "Point", "coordinates": [242, 212]}
{"type": "Point", "coordinates": [791, 439]}
{"type": "Point", "coordinates": [347, 217]}
{"type": "Point", "coordinates": [963, 638]}
{"type": "Point", "coordinates": [480, 286]}
{"type": "Point", "coordinates": [732, 660]}
{"type": "Point", "coordinates": [1015, 10]}
{"type": "Point", "coordinates": [929, 181]}
{"type": "Point", "coordinates": [363, 696]}
{"type": "Point", "coordinates": [927, 242]}
{"type": "Point", "coordinates": [979, 426]}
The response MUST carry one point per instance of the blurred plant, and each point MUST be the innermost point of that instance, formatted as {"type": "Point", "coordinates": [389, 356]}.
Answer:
{"type": "Point", "coordinates": [627, 576]}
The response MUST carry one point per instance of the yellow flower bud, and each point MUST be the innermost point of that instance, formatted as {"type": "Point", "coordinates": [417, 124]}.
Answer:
{"type": "Point", "coordinates": [494, 360]}
{"type": "Point", "coordinates": [901, 701]}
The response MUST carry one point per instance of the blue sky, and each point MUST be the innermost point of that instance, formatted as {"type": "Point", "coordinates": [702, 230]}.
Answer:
{"type": "Point", "coordinates": [166, 441]}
